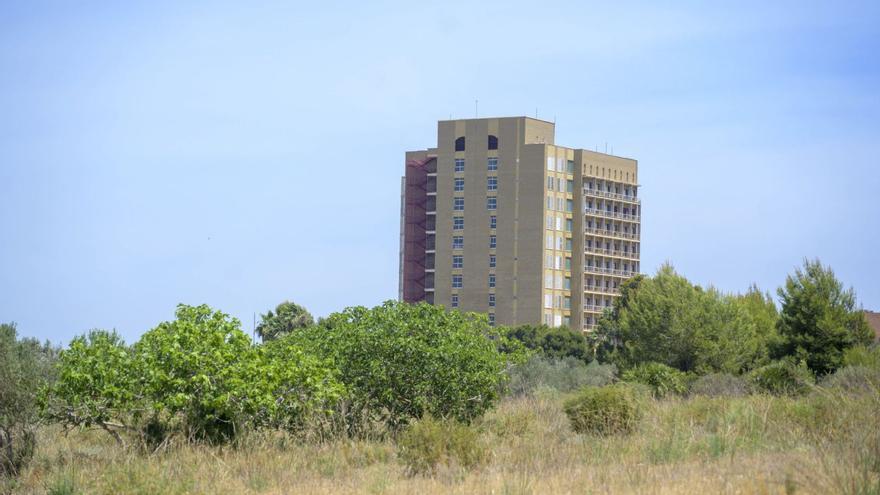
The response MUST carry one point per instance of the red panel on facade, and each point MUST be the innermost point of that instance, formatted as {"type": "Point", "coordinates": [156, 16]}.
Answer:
{"type": "Point", "coordinates": [414, 236]}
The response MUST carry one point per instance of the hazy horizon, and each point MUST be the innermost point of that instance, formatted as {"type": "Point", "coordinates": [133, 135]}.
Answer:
{"type": "Point", "coordinates": [242, 155]}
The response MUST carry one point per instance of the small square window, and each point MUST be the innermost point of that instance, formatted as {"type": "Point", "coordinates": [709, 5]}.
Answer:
{"type": "Point", "coordinates": [459, 184]}
{"type": "Point", "coordinates": [493, 241]}
{"type": "Point", "coordinates": [493, 164]}
{"type": "Point", "coordinates": [492, 261]}
{"type": "Point", "coordinates": [491, 280]}
{"type": "Point", "coordinates": [457, 261]}
{"type": "Point", "coordinates": [457, 223]}
{"type": "Point", "coordinates": [491, 300]}
{"type": "Point", "coordinates": [493, 222]}
{"type": "Point", "coordinates": [456, 281]}
{"type": "Point", "coordinates": [492, 183]}
{"type": "Point", "coordinates": [455, 300]}
{"type": "Point", "coordinates": [459, 164]}
{"type": "Point", "coordinates": [457, 242]}
{"type": "Point", "coordinates": [492, 319]}
{"type": "Point", "coordinates": [458, 204]}
{"type": "Point", "coordinates": [491, 203]}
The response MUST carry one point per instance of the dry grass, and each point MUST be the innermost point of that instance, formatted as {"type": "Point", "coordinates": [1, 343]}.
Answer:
{"type": "Point", "coordinates": [823, 443]}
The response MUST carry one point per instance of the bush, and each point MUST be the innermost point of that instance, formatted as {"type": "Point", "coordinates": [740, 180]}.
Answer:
{"type": "Point", "coordinates": [663, 380]}
{"type": "Point", "coordinates": [868, 357]}
{"type": "Point", "coordinates": [402, 361]}
{"type": "Point", "coordinates": [782, 378]}
{"type": "Point", "coordinates": [199, 376]}
{"type": "Point", "coordinates": [25, 366]}
{"type": "Point", "coordinates": [428, 443]}
{"type": "Point", "coordinates": [564, 375]}
{"type": "Point", "coordinates": [858, 379]}
{"type": "Point", "coordinates": [720, 385]}
{"type": "Point", "coordinates": [552, 343]}
{"type": "Point", "coordinates": [608, 410]}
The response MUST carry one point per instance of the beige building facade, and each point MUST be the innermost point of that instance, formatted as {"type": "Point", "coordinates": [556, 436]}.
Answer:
{"type": "Point", "coordinates": [498, 219]}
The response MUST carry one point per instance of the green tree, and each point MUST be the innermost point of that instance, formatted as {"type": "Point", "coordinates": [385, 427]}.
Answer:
{"type": "Point", "coordinates": [400, 361]}
{"type": "Point", "coordinates": [198, 375]}
{"type": "Point", "coordinates": [286, 318]}
{"type": "Point", "coordinates": [819, 318]}
{"type": "Point", "coordinates": [25, 367]}
{"type": "Point", "coordinates": [761, 309]}
{"type": "Point", "coordinates": [668, 320]}
{"type": "Point", "coordinates": [96, 385]}
{"type": "Point", "coordinates": [558, 343]}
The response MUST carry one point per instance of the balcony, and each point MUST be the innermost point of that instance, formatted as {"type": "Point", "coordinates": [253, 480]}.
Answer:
{"type": "Point", "coordinates": [595, 193]}
{"type": "Point", "coordinates": [610, 271]}
{"type": "Point", "coordinates": [611, 214]}
{"type": "Point", "coordinates": [601, 290]}
{"type": "Point", "coordinates": [611, 233]}
{"type": "Point", "coordinates": [613, 252]}
{"type": "Point", "coordinates": [591, 308]}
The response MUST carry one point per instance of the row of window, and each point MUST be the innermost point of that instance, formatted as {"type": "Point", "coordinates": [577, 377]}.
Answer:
{"type": "Point", "coordinates": [560, 204]}
{"type": "Point", "coordinates": [458, 261]}
{"type": "Point", "coordinates": [457, 281]}
{"type": "Point", "coordinates": [491, 164]}
{"type": "Point", "coordinates": [458, 222]}
{"type": "Point", "coordinates": [556, 184]}
{"type": "Point", "coordinates": [491, 203]}
{"type": "Point", "coordinates": [458, 241]}
{"type": "Point", "coordinates": [555, 223]}
{"type": "Point", "coordinates": [557, 281]}
{"type": "Point", "coordinates": [492, 143]}
{"type": "Point", "coordinates": [610, 187]}
{"type": "Point", "coordinates": [491, 184]}
{"type": "Point", "coordinates": [556, 242]}
{"type": "Point", "coordinates": [560, 165]}
{"type": "Point", "coordinates": [491, 305]}
{"type": "Point", "coordinates": [557, 302]}
{"type": "Point", "coordinates": [554, 262]}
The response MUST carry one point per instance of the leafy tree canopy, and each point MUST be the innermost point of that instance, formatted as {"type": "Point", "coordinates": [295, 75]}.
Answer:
{"type": "Point", "coordinates": [668, 320]}
{"type": "Point", "coordinates": [558, 343]}
{"type": "Point", "coordinates": [287, 318]}
{"type": "Point", "coordinates": [819, 318]}
{"type": "Point", "coordinates": [401, 361]}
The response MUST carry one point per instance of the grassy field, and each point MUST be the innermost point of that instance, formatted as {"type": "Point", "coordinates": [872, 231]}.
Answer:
{"type": "Point", "coordinates": [825, 442]}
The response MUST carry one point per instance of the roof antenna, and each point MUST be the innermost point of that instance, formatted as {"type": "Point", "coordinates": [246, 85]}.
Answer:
{"type": "Point", "coordinates": [536, 113]}
{"type": "Point", "coordinates": [606, 147]}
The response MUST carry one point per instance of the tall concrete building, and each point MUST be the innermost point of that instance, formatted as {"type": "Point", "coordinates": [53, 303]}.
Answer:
{"type": "Point", "coordinates": [499, 219]}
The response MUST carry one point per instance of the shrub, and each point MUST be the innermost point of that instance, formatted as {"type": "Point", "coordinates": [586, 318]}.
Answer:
{"type": "Point", "coordinates": [25, 366]}
{"type": "Point", "coordinates": [858, 379]}
{"type": "Point", "coordinates": [868, 357]}
{"type": "Point", "coordinates": [552, 343]}
{"type": "Point", "coordinates": [782, 378]}
{"type": "Point", "coordinates": [720, 385]}
{"type": "Point", "coordinates": [662, 379]}
{"type": "Point", "coordinates": [564, 375]}
{"type": "Point", "coordinates": [401, 361]}
{"type": "Point", "coordinates": [198, 375]}
{"type": "Point", "coordinates": [428, 443]}
{"type": "Point", "coordinates": [608, 410]}
{"type": "Point", "coordinates": [95, 385]}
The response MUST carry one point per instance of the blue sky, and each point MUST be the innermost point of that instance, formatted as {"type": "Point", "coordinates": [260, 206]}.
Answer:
{"type": "Point", "coordinates": [240, 154]}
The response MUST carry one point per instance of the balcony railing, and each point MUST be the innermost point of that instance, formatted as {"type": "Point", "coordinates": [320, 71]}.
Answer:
{"type": "Point", "coordinates": [594, 309]}
{"type": "Point", "coordinates": [612, 214]}
{"type": "Point", "coordinates": [613, 252]}
{"type": "Point", "coordinates": [611, 195]}
{"type": "Point", "coordinates": [604, 290]}
{"type": "Point", "coordinates": [611, 233]}
{"type": "Point", "coordinates": [609, 271]}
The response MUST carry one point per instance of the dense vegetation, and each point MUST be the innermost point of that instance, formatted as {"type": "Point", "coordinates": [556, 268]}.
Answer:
{"type": "Point", "coordinates": [437, 386]}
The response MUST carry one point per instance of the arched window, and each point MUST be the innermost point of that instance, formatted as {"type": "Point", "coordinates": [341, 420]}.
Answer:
{"type": "Point", "coordinates": [493, 142]}
{"type": "Point", "coordinates": [459, 144]}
